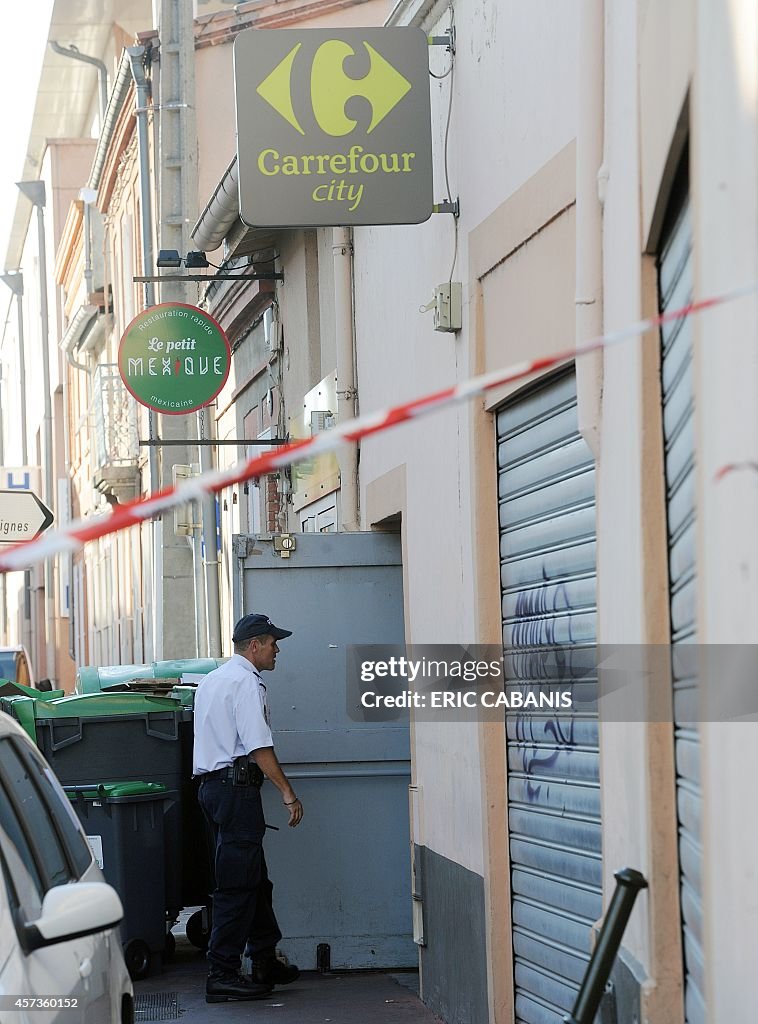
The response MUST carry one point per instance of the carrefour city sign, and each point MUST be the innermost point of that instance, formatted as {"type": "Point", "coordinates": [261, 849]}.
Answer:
{"type": "Point", "coordinates": [174, 358]}
{"type": "Point", "coordinates": [333, 126]}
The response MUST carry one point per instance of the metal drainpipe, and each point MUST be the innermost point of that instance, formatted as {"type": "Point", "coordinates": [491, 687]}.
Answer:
{"type": "Point", "coordinates": [27, 624]}
{"type": "Point", "coordinates": [212, 611]}
{"type": "Point", "coordinates": [195, 541]}
{"type": "Point", "coordinates": [3, 576]}
{"type": "Point", "coordinates": [68, 556]}
{"type": "Point", "coordinates": [102, 71]}
{"type": "Point", "coordinates": [589, 217]}
{"type": "Point", "coordinates": [88, 197]}
{"type": "Point", "coordinates": [342, 251]}
{"type": "Point", "coordinates": [72, 611]}
{"type": "Point", "coordinates": [15, 282]}
{"type": "Point", "coordinates": [19, 292]}
{"type": "Point", "coordinates": [48, 433]}
{"type": "Point", "coordinates": [177, 136]}
{"type": "Point", "coordinates": [136, 55]}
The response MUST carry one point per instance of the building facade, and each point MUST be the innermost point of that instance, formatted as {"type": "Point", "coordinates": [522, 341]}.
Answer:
{"type": "Point", "coordinates": [604, 159]}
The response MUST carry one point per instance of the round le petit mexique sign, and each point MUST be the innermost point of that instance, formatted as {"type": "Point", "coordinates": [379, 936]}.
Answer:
{"type": "Point", "coordinates": [174, 358]}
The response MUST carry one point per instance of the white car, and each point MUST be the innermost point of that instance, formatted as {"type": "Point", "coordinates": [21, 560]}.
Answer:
{"type": "Point", "coordinates": [60, 957]}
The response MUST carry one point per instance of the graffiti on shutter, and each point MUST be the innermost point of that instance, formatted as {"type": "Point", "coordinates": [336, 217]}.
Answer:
{"type": "Point", "coordinates": [546, 479]}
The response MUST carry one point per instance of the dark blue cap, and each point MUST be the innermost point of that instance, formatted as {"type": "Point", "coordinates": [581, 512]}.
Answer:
{"type": "Point", "coordinates": [255, 624]}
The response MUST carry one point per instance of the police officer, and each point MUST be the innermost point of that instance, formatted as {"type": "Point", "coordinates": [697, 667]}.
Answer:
{"type": "Point", "coordinates": [233, 751]}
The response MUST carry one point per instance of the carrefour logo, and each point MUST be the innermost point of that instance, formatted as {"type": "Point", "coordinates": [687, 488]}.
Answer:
{"type": "Point", "coordinates": [331, 88]}
{"type": "Point", "coordinates": [333, 126]}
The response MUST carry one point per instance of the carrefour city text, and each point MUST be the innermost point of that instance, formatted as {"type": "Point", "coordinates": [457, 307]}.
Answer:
{"type": "Point", "coordinates": [355, 161]}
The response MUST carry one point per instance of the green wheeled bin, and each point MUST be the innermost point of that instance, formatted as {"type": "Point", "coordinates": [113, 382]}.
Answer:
{"type": "Point", "coordinates": [197, 866]}
{"type": "Point", "coordinates": [9, 688]}
{"type": "Point", "coordinates": [124, 823]}
{"type": "Point", "coordinates": [116, 737]}
{"type": "Point", "coordinates": [180, 676]}
{"type": "Point", "coordinates": [10, 692]}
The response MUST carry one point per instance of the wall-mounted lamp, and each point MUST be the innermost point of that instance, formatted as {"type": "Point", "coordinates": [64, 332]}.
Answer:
{"type": "Point", "coordinates": [196, 259]}
{"type": "Point", "coordinates": [170, 258]}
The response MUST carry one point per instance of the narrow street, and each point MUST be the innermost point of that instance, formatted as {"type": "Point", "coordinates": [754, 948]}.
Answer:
{"type": "Point", "coordinates": [360, 997]}
{"type": "Point", "coordinates": [378, 503]}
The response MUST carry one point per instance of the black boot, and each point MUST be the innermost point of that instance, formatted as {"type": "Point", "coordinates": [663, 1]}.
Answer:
{"type": "Point", "coordinates": [222, 987]}
{"type": "Point", "coordinates": [268, 969]}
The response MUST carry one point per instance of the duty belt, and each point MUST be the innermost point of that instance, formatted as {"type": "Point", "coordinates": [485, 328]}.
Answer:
{"type": "Point", "coordinates": [242, 773]}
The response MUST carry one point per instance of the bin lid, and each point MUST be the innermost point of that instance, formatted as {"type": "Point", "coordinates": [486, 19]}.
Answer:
{"type": "Point", "coordinates": [186, 666]}
{"type": "Point", "coordinates": [90, 679]}
{"type": "Point", "coordinates": [103, 705]}
{"type": "Point", "coordinates": [9, 688]}
{"type": "Point", "coordinates": [116, 790]}
{"type": "Point", "coordinates": [24, 713]}
{"type": "Point", "coordinates": [184, 694]}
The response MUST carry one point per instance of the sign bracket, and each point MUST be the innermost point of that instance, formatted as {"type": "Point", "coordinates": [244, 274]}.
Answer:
{"type": "Point", "coordinates": [446, 206]}
{"type": "Point", "coordinates": [157, 442]}
{"type": "Point", "coordinates": [210, 278]}
{"type": "Point", "coordinates": [448, 40]}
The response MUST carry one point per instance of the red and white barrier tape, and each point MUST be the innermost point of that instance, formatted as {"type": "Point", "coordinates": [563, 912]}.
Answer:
{"type": "Point", "coordinates": [76, 534]}
{"type": "Point", "coordinates": [735, 467]}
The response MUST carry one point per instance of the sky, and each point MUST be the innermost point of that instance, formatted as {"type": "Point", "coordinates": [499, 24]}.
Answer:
{"type": "Point", "coordinates": [22, 49]}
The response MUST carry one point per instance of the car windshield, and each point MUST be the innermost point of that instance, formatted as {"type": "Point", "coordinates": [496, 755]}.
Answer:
{"type": "Point", "coordinates": [7, 665]}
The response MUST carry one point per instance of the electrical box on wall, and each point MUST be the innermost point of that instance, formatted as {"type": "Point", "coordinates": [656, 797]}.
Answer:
{"type": "Point", "coordinates": [272, 329]}
{"type": "Point", "coordinates": [448, 306]}
{"type": "Point", "coordinates": [321, 419]}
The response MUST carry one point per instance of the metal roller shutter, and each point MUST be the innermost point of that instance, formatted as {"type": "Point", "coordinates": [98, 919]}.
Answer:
{"type": "Point", "coordinates": [547, 556]}
{"type": "Point", "coordinates": [675, 282]}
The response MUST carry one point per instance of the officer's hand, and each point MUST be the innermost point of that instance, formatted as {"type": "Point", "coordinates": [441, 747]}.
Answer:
{"type": "Point", "coordinates": [296, 813]}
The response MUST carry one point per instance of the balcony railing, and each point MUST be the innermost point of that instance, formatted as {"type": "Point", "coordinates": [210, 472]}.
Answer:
{"type": "Point", "coordinates": [115, 418]}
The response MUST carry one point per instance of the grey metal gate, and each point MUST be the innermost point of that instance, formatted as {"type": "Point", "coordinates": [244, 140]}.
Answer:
{"type": "Point", "coordinates": [675, 283]}
{"type": "Point", "coordinates": [547, 553]}
{"type": "Point", "coordinates": [343, 877]}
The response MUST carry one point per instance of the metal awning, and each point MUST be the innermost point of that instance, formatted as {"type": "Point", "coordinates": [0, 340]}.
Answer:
{"type": "Point", "coordinates": [80, 325]}
{"type": "Point", "coordinates": [116, 100]}
{"type": "Point", "coordinates": [220, 213]}
{"type": "Point", "coordinates": [220, 221]}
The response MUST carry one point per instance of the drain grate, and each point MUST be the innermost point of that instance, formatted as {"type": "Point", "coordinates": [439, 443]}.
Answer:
{"type": "Point", "coordinates": [157, 1006]}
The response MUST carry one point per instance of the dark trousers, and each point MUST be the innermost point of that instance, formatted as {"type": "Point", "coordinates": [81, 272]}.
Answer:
{"type": "Point", "coordinates": [242, 909]}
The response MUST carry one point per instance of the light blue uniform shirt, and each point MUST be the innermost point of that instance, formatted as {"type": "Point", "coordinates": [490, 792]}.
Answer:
{"type": "Point", "coordinates": [231, 715]}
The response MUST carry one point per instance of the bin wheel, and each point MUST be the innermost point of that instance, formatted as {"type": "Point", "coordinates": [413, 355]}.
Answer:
{"type": "Point", "coordinates": [137, 957]}
{"type": "Point", "coordinates": [196, 934]}
{"type": "Point", "coordinates": [169, 950]}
